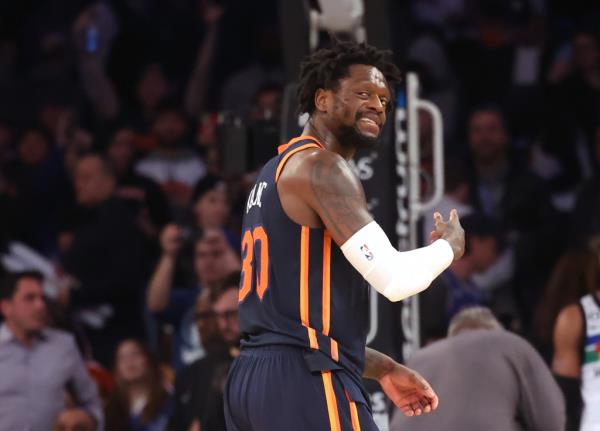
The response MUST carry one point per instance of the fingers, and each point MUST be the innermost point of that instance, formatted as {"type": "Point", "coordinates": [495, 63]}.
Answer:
{"type": "Point", "coordinates": [453, 216]}
{"type": "Point", "coordinates": [419, 406]}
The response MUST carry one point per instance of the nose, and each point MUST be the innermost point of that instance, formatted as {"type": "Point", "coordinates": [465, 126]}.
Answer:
{"type": "Point", "coordinates": [375, 104]}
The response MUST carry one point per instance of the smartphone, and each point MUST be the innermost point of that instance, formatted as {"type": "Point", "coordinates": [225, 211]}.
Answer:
{"type": "Point", "coordinates": [92, 39]}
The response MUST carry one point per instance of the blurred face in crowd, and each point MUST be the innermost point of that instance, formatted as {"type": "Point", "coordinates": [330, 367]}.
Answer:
{"type": "Point", "coordinates": [225, 309]}
{"type": "Point", "coordinates": [267, 105]}
{"type": "Point", "coordinates": [211, 210]}
{"type": "Point", "coordinates": [33, 148]}
{"type": "Point", "coordinates": [122, 149]}
{"type": "Point", "coordinates": [152, 87]}
{"type": "Point", "coordinates": [74, 420]}
{"type": "Point", "coordinates": [169, 128]}
{"type": "Point", "coordinates": [26, 312]}
{"type": "Point", "coordinates": [586, 53]}
{"type": "Point", "coordinates": [356, 110]}
{"type": "Point", "coordinates": [483, 252]}
{"type": "Point", "coordinates": [208, 258]}
{"type": "Point", "coordinates": [205, 319]}
{"type": "Point", "coordinates": [487, 137]}
{"type": "Point", "coordinates": [131, 363]}
{"type": "Point", "coordinates": [93, 184]}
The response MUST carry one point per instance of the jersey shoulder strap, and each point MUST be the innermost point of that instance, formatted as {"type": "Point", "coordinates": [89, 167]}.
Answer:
{"type": "Point", "coordinates": [292, 147]}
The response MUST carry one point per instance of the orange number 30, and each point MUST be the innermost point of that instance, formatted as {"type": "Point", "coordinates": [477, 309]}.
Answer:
{"type": "Point", "coordinates": [257, 239]}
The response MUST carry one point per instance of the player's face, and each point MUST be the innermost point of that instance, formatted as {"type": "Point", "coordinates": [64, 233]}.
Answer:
{"type": "Point", "coordinates": [359, 106]}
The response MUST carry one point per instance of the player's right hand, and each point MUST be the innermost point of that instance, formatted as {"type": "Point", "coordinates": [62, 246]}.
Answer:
{"type": "Point", "coordinates": [451, 231]}
{"type": "Point", "coordinates": [170, 239]}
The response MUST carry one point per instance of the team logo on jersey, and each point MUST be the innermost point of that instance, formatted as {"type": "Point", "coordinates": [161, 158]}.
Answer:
{"type": "Point", "coordinates": [368, 253]}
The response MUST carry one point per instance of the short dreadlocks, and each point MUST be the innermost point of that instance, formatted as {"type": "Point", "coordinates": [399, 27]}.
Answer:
{"type": "Point", "coordinates": [325, 67]}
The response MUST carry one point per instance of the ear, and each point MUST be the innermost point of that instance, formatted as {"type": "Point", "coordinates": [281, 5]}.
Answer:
{"type": "Point", "coordinates": [323, 100]}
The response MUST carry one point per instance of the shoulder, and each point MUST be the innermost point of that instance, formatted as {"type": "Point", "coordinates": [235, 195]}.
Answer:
{"type": "Point", "coordinates": [60, 338]}
{"type": "Point", "coordinates": [570, 320]}
{"type": "Point", "coordinates": [316, 167]}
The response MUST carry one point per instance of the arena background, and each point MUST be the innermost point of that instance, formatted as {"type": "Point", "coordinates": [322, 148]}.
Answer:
{"type": "Point", "coordinates": [77, 75]}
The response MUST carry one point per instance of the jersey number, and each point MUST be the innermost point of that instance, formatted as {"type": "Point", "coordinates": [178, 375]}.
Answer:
{"type": "Point", "coordinates": [254, 240]}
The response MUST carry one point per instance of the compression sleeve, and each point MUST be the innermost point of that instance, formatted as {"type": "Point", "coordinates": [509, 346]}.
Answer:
{"type": "Point", "coordinates": [396, 275]}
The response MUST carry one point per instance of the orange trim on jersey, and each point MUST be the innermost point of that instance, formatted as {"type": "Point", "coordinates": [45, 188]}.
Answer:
{"type": "Point", "coordinates": [335, 354]}
{"type": "Point", "coordinates": [312, 338]}
{"type": "Point", "coordinates": [262, 277]}
{"type": "Point", "coordinates": [283, 147]}
{"type": "Point", "coordinates": [304, 309]}
{"type": "Point", "coordinates": [326, 282]}
{"type": "Point", "coordinates": [285, 158]}
{"type": "Point", "coordinates": [353, 414]}
{"type": "Point", "coordinates": [332, 408]}
{"type": "Point", "coordinates": [248, 249]}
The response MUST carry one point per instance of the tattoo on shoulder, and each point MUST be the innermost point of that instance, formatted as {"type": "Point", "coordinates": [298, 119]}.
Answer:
{"type": "Point", "coordinates": [342, 202]}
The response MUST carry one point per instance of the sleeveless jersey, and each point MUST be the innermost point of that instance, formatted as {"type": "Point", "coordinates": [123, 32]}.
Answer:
{"type": "Point", "coordinates": [297, 288]}
{"type": "Point", "coordinates": [590, 368]}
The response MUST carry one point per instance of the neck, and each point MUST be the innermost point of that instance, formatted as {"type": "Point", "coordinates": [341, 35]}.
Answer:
{"type": "Point", "coordinates": [137, 390]}
{"type": "Point", "coordinates": [492, 169]}
{"type": "Point", "coordinates": [316, 127]}
{"type": "Point", "coordinates": [462, 269]}
{"type": "Point", "coordinates": [21, 335]}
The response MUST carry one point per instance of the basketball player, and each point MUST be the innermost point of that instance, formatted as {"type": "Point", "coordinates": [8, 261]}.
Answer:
{"type": "Point", "coordinates": [576, 360]}
{"type": "Point", "coordinates": [308, 245]}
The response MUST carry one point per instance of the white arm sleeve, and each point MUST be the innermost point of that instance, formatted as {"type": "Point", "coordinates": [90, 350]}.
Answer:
{"type": "Point", "coordinates": [396, 275]}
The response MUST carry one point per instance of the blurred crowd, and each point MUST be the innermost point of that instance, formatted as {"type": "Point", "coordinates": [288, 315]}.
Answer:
{"type": "Point", "coordinates": [118, 189]}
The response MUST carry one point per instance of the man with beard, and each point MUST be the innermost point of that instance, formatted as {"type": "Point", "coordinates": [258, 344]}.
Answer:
{"type": "Point", "coordinates": [308, 241]}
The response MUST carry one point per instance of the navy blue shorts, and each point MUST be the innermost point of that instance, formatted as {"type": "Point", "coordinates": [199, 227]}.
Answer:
{"type": "Point", "coordinates": [273, 388]}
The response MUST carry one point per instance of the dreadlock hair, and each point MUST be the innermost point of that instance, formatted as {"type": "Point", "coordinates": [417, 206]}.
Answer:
{"type": "Point", "coordinates": [325, 67]}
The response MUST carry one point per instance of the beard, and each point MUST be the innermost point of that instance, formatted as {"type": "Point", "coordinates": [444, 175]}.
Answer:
{"type": "Point", "coordinates": [352, 137]}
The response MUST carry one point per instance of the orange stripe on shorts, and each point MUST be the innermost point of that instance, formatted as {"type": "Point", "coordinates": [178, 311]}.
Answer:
{"type": "Point", "coordinates": [332, 408]}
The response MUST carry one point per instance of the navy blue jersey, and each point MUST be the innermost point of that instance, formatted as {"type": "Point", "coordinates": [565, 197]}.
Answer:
{"type": "Point", "coordinates": [297, 287]}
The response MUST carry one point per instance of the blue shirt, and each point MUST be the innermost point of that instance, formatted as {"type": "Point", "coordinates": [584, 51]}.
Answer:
{"type": "Point", "coordinates": [33, 380]}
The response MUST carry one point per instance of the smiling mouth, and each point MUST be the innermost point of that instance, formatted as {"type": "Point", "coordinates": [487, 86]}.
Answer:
{"type": "Point", "coordinates": [370, 124]}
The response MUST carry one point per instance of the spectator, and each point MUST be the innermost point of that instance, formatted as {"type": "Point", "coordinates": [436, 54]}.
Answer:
{"type": "Point", "coordinates": [140, 401]}
{"type": "Point", "coordinates": [212, 209]}
{"type": "Point", "coordinates": [571, 279]}
{"type": "Point", "coordinates": [576, 361]}
{"type": "Point", "coordinates": [148, 199]}
{"type": "Point", "coordinates": [518, 199]}
{"type": "Point", "coordinates": [486, 379]}
{"type": "Point", "coordinates": [105, 252]}
{"type": "Point", "coordinates": [455, 288]}
{"type": "Point", "coordinates": [574, 82]}
{"type": "Point", "coordinates": [457, 194]}
{"type": "Point", "coordinates": [38, 182]}
{"type": "Point", "coordinates": [241, 87]}
{"type": "Point", "coordinates": [74, 420]}
{"type": "Point", "coordinates": [199, 386]}
{"type": "Point", "coordinates": [39, 365]}
{"type": "Point", "coordinates": [586, 214]}
{"type": "Point", "coordinates": [213, 260]}
{"type": "Point", "coordinates": [172, 164]}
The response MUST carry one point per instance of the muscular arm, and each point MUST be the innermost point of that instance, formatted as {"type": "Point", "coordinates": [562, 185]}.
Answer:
{"type": "Point", "coordinates": [407, 389]}
{"type": "Point", "coordinates": [566, 363]}
{"type": "Point", "coordinates": [567, 338]}
{"type": "Point", "coordinates": [318, 186]}
{"type": "Point", "coordinates": [376, 364]}
{"type": "Point", "coordinates": [336, 195]}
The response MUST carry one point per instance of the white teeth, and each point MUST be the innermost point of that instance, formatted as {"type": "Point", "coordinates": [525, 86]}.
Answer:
{"type": "Point", "coordinates": [370, 121]}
